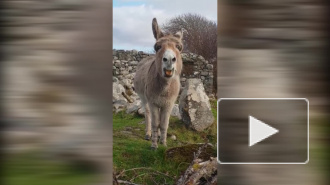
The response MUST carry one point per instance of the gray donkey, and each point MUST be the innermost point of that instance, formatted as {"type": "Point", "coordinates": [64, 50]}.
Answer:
{"type": "Point", "coordinates": [157, 82]}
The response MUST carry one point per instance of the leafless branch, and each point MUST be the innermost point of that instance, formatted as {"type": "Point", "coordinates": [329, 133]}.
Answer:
{"type": "Point", "coordinates": [200, 34]}
{"type": "Point", "coordinates": [198, 169]}
{"type": "Point", "coordinates": [126, 182]}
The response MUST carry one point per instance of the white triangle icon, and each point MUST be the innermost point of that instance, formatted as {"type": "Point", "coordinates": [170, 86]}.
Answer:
{"type": "Point", "coordinates": [259, 131]}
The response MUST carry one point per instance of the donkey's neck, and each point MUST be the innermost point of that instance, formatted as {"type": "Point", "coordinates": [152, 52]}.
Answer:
{"type": "Point", "coordinates": [161, 80]}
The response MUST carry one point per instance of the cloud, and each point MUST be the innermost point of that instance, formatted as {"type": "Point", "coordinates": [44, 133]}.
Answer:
{"type": "Point", "coordinates": [132, 19]}
{"type": "Point", "coordinates": [132, 26]}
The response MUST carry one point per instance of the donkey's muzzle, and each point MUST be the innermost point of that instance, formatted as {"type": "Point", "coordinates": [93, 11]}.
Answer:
{"type": "Point", "coordinates": [168, 73]}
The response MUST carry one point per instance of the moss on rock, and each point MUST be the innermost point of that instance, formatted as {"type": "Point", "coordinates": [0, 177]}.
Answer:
{"type": "Point", "coordinates": [186, 153]}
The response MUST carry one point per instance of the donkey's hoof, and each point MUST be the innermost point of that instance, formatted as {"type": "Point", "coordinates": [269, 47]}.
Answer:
{"type": "Point", "coordinates": [154, 147]}
{"type": "Point", "coordinates": [147, 137]}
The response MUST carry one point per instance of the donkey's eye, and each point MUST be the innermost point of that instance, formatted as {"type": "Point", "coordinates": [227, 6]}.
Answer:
{"type": "Point", "coordinates": [157, 47]}
{"type": "Point", "coordinates": [179, 47]}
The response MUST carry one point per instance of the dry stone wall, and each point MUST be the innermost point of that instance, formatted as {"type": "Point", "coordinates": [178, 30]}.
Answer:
{"type": "Point", "coordinates": [195, 66]}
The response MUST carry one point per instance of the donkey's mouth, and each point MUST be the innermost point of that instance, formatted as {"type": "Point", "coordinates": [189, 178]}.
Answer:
{"type": "Point", "coordinates": [168, 73]}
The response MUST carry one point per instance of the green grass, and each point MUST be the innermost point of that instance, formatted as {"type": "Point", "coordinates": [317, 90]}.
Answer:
{"type": "Point", "coordinates": [319, 153]}
{"type": "Point", "coordinates": [30, 169]}
{"type": "Point", "coordinates": [132, 151]}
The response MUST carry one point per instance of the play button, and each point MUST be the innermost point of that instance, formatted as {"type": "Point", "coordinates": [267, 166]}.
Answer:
{"type": "Point", "coordinates": [259, 131]}
{"type": "Point", "coordinates": [263, 131]}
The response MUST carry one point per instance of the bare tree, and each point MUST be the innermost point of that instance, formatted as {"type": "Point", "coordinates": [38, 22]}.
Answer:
{"type": "Point", "coordinates": [200, 35]}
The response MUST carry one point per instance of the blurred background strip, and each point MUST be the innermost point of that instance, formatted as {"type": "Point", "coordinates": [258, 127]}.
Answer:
{"type": "Point", "coordinates": [276, 49]}
{"type": "Point", "coordinates": [56, 92]}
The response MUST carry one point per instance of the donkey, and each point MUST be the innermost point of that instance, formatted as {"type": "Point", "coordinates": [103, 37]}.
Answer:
{"type": "Point", "coordinates": [157, 82]}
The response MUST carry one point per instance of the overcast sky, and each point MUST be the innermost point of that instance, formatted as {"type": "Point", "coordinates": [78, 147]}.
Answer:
{"type": "Point", "coordinates": [132, 19]}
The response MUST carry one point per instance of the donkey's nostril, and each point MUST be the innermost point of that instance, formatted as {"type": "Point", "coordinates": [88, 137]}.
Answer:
{"type": "Point", "coordinates": [174, 59]}
{"type": "Point", "coordinates": [164, 59]}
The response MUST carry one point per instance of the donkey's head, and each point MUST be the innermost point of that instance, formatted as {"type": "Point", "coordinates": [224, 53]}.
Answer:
{"type": "Point", "coordinates": [168, 49]}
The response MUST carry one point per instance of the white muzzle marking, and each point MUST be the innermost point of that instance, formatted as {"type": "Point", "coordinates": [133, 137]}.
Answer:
{"type": "Point", "coordinates": [168, 63]}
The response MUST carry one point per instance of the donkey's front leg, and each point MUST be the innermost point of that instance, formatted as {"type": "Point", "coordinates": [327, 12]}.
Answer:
{"type": "Point", "coordinates": [148, 122]}
{"type": "Point", "coordinates": [165, 113]}
{"type": "Point", "coordinates": [154, 110]}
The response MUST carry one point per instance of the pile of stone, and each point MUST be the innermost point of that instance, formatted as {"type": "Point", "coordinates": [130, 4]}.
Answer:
{"type": "Point", "coordinates": [194, 66]}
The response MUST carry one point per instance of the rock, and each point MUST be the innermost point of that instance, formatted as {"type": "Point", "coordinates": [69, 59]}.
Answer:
{"type": "Point", "coordinates": [209, 66]}
{"type": "Point", "coordinates": [173, 137]}
{"type": "Point", "coordinates": [118, 89]}
{"type": "Point", "coordinates": [212, 97]}
{"type": "Point", "coordinates": [186, 153]}
{"type": "Point", "coordinates": [117, 64]}
{"type": "Point", "coordinates": [118, 97]}
{"type": "Point", "coordinates": [134, 96]}
{"type": "Point", "coordinates": [127, 83]}
{"type": "Point", "coordinates": [141, 111]}
{"type": "Point", "coordinates": [201, 57]}
{"type": "Point", "coordinates": [114, 79]}
{"type": "Point", "coordinates": [133, 107]}
{"type": "Point", "coordinates": [204, 73]}
{"type": "Point", "coordinates": [119, 105]}
{"type": "Point", "coordinates": [194, 106]}
{"type": "Point", "coordinates": [124, 72]}
{"type": "Point", "coordinates": [133, 63]}
{"type": "Point", "coordinates": [130, 76]}
{"type": "Point", "coordinates": [176, 112]}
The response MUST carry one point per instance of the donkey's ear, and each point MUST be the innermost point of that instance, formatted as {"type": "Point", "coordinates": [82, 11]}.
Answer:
{"type": "Point", "coordinates": [156, 30]}
{"type": "Point", "coordinates": [179, 34]}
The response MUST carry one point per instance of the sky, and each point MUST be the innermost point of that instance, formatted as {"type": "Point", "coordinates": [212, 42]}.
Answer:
{"type": "Point", "coordinates": [132, 19]}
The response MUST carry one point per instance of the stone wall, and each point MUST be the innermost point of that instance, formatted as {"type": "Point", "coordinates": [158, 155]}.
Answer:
{"type": "Point", "coordinates": [194, 66]}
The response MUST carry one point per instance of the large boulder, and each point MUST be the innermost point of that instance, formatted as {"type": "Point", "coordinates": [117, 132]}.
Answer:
{"type": "Point", "coordinates": [195, 108]}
